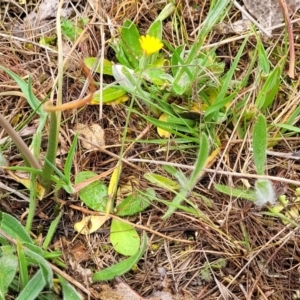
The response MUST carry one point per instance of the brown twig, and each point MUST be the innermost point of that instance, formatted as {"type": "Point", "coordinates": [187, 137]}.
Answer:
{"type": "Point", "coordinates": [48, 106]}
{"type": "Point", "coordinates": [289, 27]}
{"type": "Point", "coordinates": [96, 213]}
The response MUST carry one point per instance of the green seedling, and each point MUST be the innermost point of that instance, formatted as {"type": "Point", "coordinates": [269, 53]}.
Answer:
{"type": "Point", "coordinates": [123, 236]}
{"type": "Point", "coordinates": [17, 258]}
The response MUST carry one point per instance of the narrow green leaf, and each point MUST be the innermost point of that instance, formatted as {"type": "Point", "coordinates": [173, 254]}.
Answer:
{"type": "Point", "coordinates": [166, 12]}
{"type": "Point", "coordinates": [189, 210]}
{"type": "Point", "coordinates": [135, 203]}
{"type": "Point", "coordinates": [123, 266]}
{"type": "Point", "coordinates": [34, 248]}
{"type": "Point", "coordinates": [180, 197]}
{"type": "Point", "coordinates": [44, 265]}
{"type": "Point", "coordinates": [51, 151]}
{"type": "Point", "coordinates": [27, 91]}
{"type": "Point", "coordinates": [263, 60]}
{"type": "Point", "coordinates": [33, 288]}
{"type": "Point", "coordinates": [183, 181]}
{"type": "Point", "coordinates": [95, 194]}
{"type": "Point", "coordinates": [216, 13]}
{"type": "Point", "coordinates": [69, 292]}
{"type": "Point", "coordinates": [120, 53]}
{"type": "Point", "coordinates": [260, 144]}
{"type": "Point", "coordinates": [162, 181]}
{"type": "Point", "coordinates": [124, 238]}
{"type": "Point", "coordinates": [226, 83]}
{"type": "Point", "coordinates": [69, 160]}
{"type": "Point", "coordinates": [270, 89]}
{"type": "Point", "coordinates": [282, 217]}
{"type": "Point", "coordinates": [52, 230]}
{"type": "Point", "coordinates": [13, 228]}
{"type": "Point", "coordinates": [177, 59]}
{"type": "Point", "coordinates": [201, 159]}
{"type": "Point", "coordinates": [289, 127]}
{"type": "Point", "coordinates": [37, 137]}
{"type": "Point", "coordinates": [23, 269]}
{"type": "Point", "coordinates": [235, 192]}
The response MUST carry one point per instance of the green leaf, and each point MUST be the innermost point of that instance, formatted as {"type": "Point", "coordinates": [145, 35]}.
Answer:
{"type": "Point", "coordinates": [270, 89]}
{"type": "Point", "coordinates": [34, 248]}
{"type": "Point", "coordinates": [69, 160]}
{"type": "Point", "coordinates": [23, 268]}
{"type": "Point", "coordinates": [178, 199]}
{"type": "Point", "coordinates": [124, 238]}
{"type": "Point", "coordinates": [95, 194]}
{"type": "Point", "coordinates": [183, 181]}
{"type": "Point", "coordinates": [263, 60]}
{"type": "Point", "coordinates": [120, 53]}
{"type": "Point", "coordinates": [192, 72]}
{"type": "Point", "coordinates": [129, 42]}
{"type": "Point", "coordinates": [189, 210]}
{"type": "Point", "coordinates": [52, 230]}
{"type": "Point", "coordinates": [69, 292]}
{"type": "Point", "coordinates": [288, 127]}
{"type": "Point", "coordinates": [162, 181]}
{"type": "Point", "coordinates": [156, 76]}
{"type": "Point", "coordinates": [34, 287]}
{"type": "Point", "coordinates": [32, 100]}
{"type": "Point", "coordinates": [92, 62]}
{"type": "Point", "coordinates": [125, 76]}
{"type": "Point", "coordinates": [237, 193]}
{"type": "Point", "coordinates": [123, 266]}
{"type": "Point", "coordinates": [227, 80]}
{"type": "Point", "coordinates": [109, 94]}
{"type": "Point", "coordinates": [36, 258]}
{"type": "Point", "coordinates": [135, 203]}
{"type": "Point", "coordinates": [166, 12]}
{"type": "Point", "coordinates": [8, 270]}
{"type": "Point", "coordinates": [216, 12]}
{"type": "Point", "coordinates": [201, 159]}
{"type": "Point", "coordinates": [69, 29]}
{"type": "Point", "coordinates": [13, 228]}
{"type": "Point", "coordinates": [155, 30]}
{"type": "Point", "coordinates": [260, 144]}
{"type": "Point", "coordinates": [186, 189]}
{"type": "Point", "coordinates": [177, 59]}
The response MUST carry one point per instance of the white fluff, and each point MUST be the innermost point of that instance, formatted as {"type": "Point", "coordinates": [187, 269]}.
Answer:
{"type": "Point", "coordinates": [265, 193]}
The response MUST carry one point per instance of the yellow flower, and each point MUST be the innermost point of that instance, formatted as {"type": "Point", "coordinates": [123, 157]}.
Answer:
{"type": "Point", "coordinates": [150, 44]}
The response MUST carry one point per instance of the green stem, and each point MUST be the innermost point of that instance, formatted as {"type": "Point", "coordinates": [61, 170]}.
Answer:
{"type": "Point", "coordinates": [51, 152]}
{"type": "Point", "coordinates": [32, 202]}
{"type": "Point", "coordinates": [24, 149]}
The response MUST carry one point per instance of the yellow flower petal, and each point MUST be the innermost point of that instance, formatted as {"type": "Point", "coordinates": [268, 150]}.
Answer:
{"type": "Point", "coordinates": [150, 44]}
{"type": "Point", "coordinates": [162, 132]}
